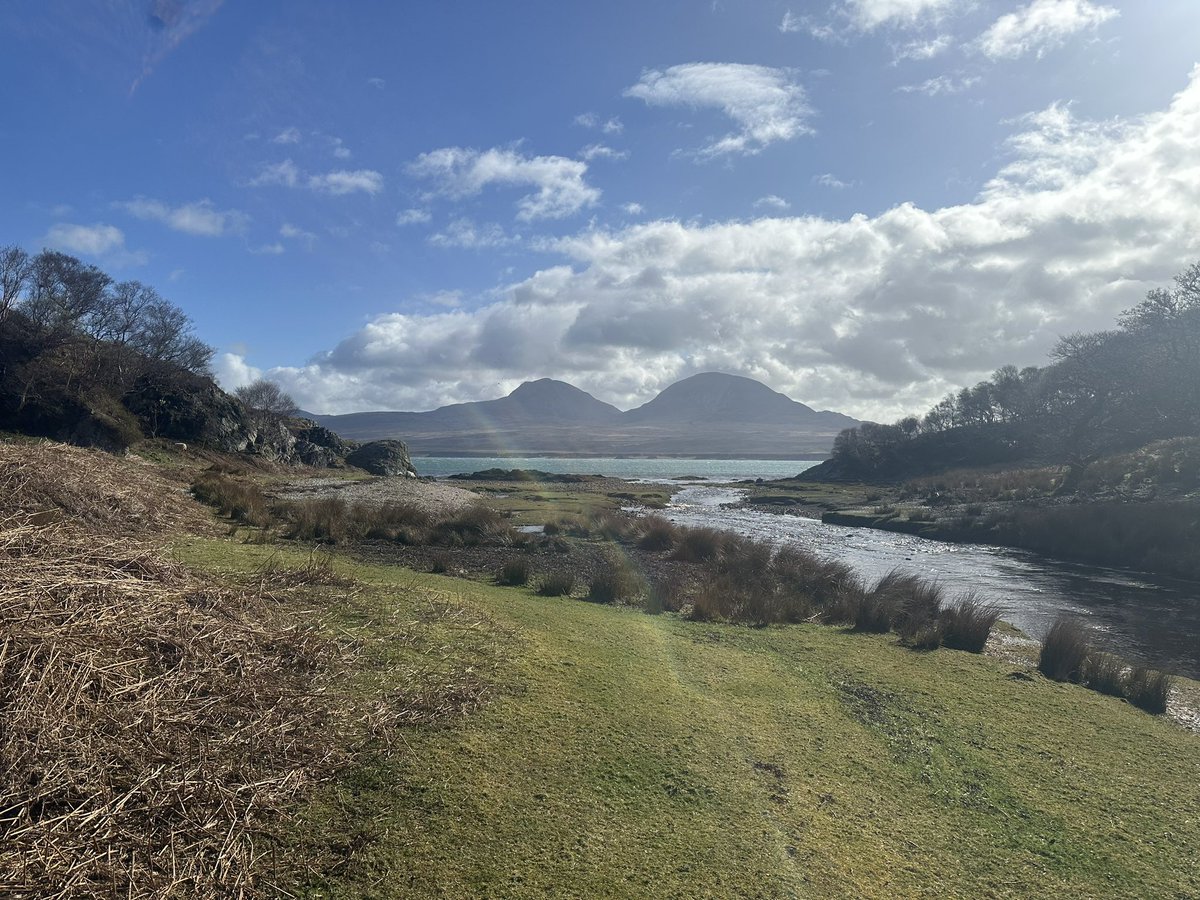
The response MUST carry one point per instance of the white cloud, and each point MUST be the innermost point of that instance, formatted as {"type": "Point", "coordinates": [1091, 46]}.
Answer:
{"type": "Point", "coordinates": [338, 182]}
{"type": "Point", "coordinates": [608, 126]}
{"type": "Point", "coordinates": [467, 234]}
{"type": "Point", "coordinates": [872, 315]}
{"type": "Point", "coordinates": [790, 23]}
{"type": "Point", "coordinates": [923, 49]}
{"type": "Point", "coordinates": [287, 136]}
{"type": "Point", "coordinates": [633, 209]}
{"type": "Point", "coordinates": [232, 371]}
{"type": "Point", "coordinates": [830, 180]}
{"type": "Point", "coordinates": [340, 150]}
{"type": "Point", "coordinates": [600, 151]}
{"type": "Point", "coordinates": [342, 182]}
{"type": "Point", "coordinates": [772, 201]}
{"type": "Point", "coordinates": [1041, 26]}
{"type": "Point", "coordinates": [460, 172]}
{"type": "Point", "coordinates": [871, 14]}
{"type": "Point", "coordinates": [285, 174]}
{"type": "Point", "coordinates": [767, 104]}
{"type": "Point", "coordinates": [941, 85]}
{"type": "Point", "coordinates": [201, 218]}
{"type": "Point", "coordinates": [292, 233]}
{"type": "Point", "coordinates": [412, 216]}
{"type": "Point", "coordinates": [377, 83]}
{"type": "Point", "coordinates": [91, 240]}
{"type": "Point", "coordinates": [273, 249]}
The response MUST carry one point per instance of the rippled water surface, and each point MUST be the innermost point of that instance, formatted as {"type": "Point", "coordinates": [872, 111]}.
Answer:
{"type": "Point", "coordinates": [1150, 620]}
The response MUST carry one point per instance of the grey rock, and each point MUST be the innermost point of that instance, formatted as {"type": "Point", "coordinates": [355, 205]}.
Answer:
{"type": "Point", "coordinates": [388, 458]}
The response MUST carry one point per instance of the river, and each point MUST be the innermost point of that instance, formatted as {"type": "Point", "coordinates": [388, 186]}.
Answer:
{"type": "Point", "coordinates": [1142, 618]}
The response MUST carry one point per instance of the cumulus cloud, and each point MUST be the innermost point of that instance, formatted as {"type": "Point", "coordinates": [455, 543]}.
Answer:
{"type": "Point", "coordinates": [102, 241]}
{"type": "Point", "coordinates": [871, 315]}
{"type": "Point", "coordinates": [1041, 26]}
{"type": "Point", "coordinates": [767, 105]}
{"type": "Point", "coordinates": [772, 201]}
{"type": "Point", "coordinates": [560, 186]}
{"type": "Point", "coordinates": [200, 218]}
{"type": "Point", "coordinates": [232, 371]}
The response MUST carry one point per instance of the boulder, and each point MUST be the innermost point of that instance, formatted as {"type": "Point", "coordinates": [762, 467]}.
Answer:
{"type": "Point", "coordinates": [389, 458]}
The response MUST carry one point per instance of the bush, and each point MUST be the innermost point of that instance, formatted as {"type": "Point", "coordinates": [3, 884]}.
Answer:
{"type": "Point", "coordinates": [514, 572]}
{"type": "Point", "coordinates": [1064, 651]}
{"type": "Point", "coordinates": [967, 625]}
{"type": "Point", "coordinates": [557, 584]}
{"type": "Point", "coordinates": [1149, 690]}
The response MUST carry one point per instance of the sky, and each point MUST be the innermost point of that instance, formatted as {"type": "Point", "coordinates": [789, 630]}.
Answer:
{"type": "Point", "coordinates": [864, 204]}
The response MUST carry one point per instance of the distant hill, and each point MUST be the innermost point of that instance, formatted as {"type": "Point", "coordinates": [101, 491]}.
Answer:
{"type": "Point", "coordinates": [715, 398]}
{"type": "Point", "coordinates": [710, 414]}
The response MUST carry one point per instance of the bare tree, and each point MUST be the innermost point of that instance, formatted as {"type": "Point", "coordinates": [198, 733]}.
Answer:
{"type": "Point", "coordinates": [63, 291]}
{"type": "Point", "coordinates": [15, 269]}
{"type": "Point", "coordinates": [266, 396]}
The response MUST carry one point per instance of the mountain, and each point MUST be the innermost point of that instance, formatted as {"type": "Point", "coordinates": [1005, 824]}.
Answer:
{"type": "Point", "coordinates": [716, 398]}
{"type": "Point", "coordinates": [711, 414]}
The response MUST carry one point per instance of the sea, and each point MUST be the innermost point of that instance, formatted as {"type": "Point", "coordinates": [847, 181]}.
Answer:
{"type": "Point", "coordinates": [654, 469]}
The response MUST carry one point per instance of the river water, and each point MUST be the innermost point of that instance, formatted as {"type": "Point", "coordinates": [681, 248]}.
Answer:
{"type": "Point", "coordinates": [1144, 619]}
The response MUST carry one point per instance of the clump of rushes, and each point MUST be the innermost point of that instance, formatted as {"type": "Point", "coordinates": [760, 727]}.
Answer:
{"type": "Point", "coordinates": [1147, 689]}
{"type": "Point", "coordinates": [557, 584]}
{"type": "Point", "coordinates": [1064, 651]}
{"type": "Point", "coordinates": [657, 534]}
{"type": "Point", "coordinates": [514, 572]}
{"type": "Point", "coordinates": [698, 545]}
{"type": "Point", "coordinates": [967, 625]}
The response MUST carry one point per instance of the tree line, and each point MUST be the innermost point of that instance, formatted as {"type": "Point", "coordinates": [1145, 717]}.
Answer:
{"type": "Point", "coordinates": [1101, 392]}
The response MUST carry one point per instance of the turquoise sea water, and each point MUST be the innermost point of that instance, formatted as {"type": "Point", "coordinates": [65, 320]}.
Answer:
{"type": "Point", "coordinates": [632, 469]}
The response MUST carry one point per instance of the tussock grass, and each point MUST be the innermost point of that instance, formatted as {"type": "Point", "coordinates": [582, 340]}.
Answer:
{"type": "Point", "coordinates": [514, 572]}
{"type": "Point", "coordinates": [242, 501]}
{"type": "Point", "coordinates": [1105, 673]}
{"type": "Point", "coordinates": [557, 584]}
{"type": "Point", "coordinates": [1148, 689]}
{"type": "Point", "coordinates": [1064, 651]}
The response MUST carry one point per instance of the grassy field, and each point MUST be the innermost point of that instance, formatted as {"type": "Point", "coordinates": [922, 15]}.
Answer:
{"type": "Point", "coordinates": [625, 755]}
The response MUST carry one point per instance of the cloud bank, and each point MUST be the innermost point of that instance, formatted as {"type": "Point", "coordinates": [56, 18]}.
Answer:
{"type": "Point", "coordinates": [872, 315]}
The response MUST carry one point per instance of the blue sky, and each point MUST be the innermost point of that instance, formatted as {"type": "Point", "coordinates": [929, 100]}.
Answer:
{"type": "Point", "coordinates": [862, 203]}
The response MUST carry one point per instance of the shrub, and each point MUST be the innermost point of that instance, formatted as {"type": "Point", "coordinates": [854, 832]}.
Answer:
{"type": "Point", "coordinates": [1064, 651]}
{"type": "Point", "coordinates": [1149, 690]}
{"type": "Point", "coordinates": [967, 625]}
{"type": "Point", "coordinates": [557, 584]}
{"type": "Point", "coordinates": [514, 572]}
{"type": "Point", "coordinates": [698, 545]}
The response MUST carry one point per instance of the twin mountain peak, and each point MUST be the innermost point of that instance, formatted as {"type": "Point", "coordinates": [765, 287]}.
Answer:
{"type": "Point", "coordinates": [710, 413]}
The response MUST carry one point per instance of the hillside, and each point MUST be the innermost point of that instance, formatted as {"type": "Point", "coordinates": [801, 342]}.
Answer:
{"type": "Point", "coordinates": [710, 414]}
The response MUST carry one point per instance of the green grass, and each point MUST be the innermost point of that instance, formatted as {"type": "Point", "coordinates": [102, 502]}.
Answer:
{"type": "Point", "coordinates": [626, 755]}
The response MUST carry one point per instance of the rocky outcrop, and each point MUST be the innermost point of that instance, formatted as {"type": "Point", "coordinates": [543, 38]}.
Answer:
{"type": "Point", "coordinates": [389, 458]}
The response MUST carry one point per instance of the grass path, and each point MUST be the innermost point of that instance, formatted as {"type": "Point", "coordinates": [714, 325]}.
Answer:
{"type": "Point", "coordinates": [627, 755]}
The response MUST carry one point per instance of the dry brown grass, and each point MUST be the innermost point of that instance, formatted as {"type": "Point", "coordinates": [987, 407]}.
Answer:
{"type": "Point", "coordinates": [157, 725]}
{"type": "Point", "coordinates": [152, 723]}
{"type": "Point", "coordinates": [95, 489]}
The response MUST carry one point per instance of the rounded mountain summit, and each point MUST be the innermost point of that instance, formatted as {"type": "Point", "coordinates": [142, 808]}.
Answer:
{"type": "Point", "coordinates": [707, 414]}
